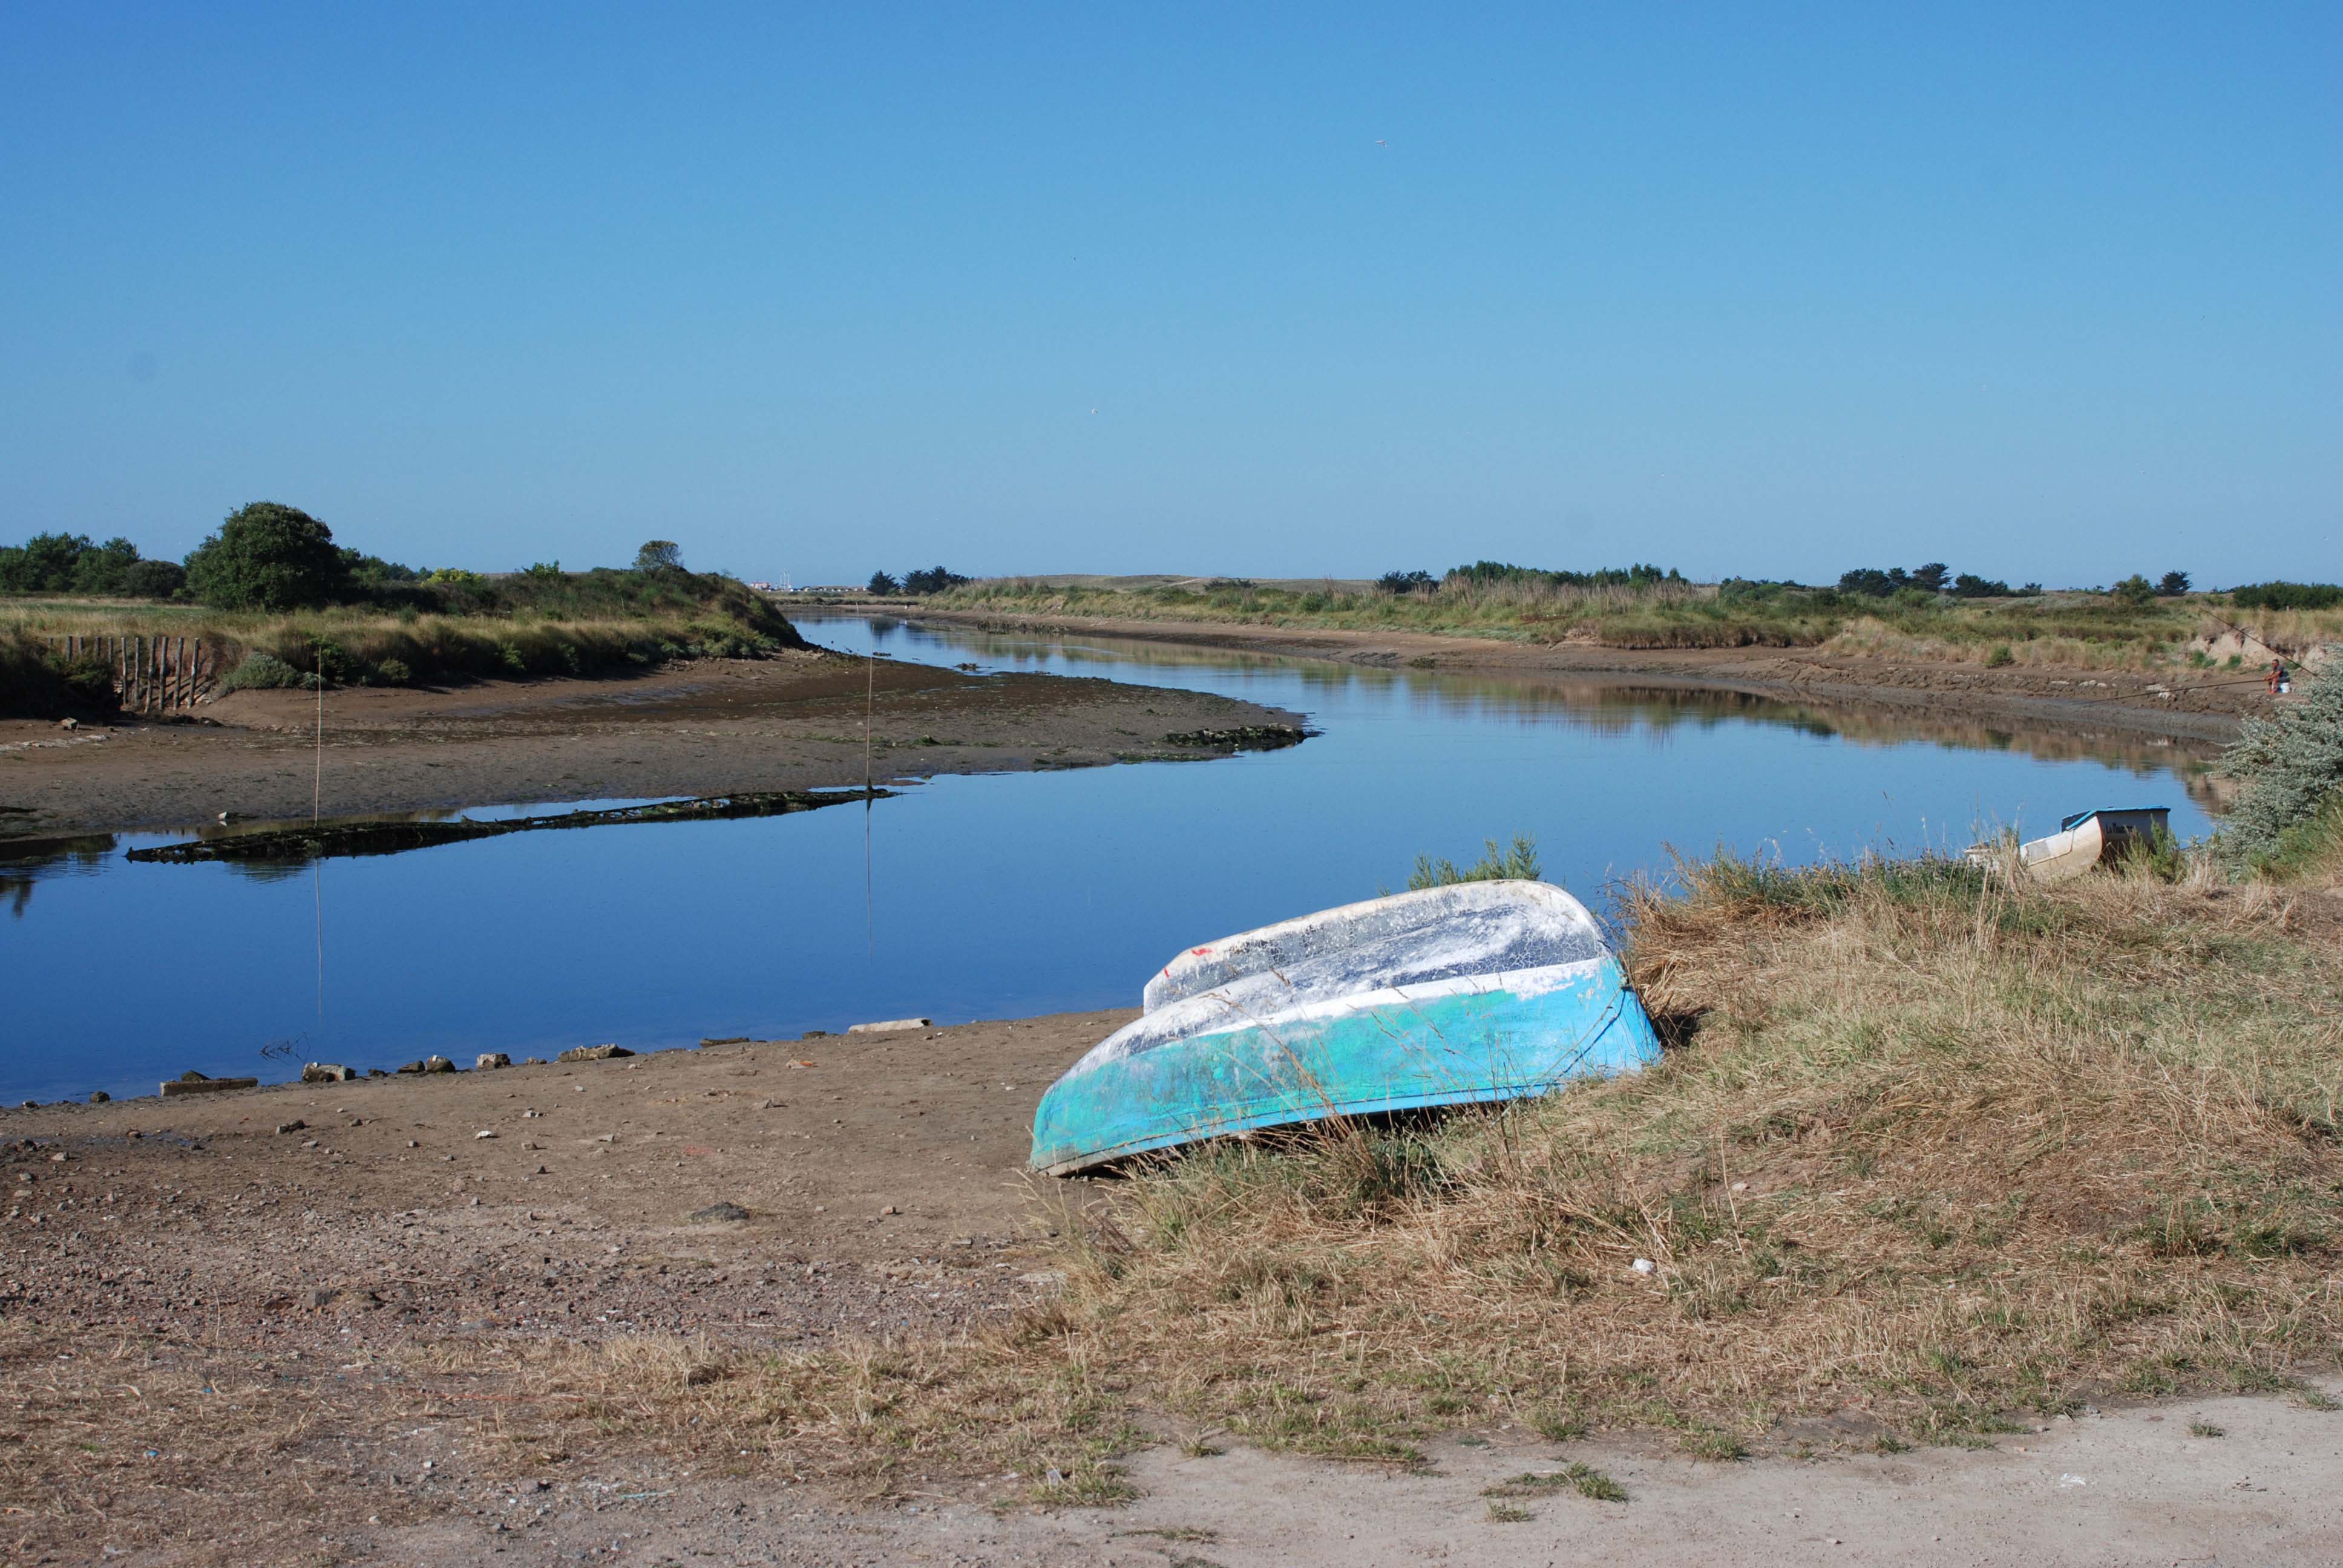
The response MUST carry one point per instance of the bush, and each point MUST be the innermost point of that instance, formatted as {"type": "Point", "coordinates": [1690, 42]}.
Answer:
{"type": "Point", "coordinates": [2292, 764]}
{"type": "Point", "coordinates": [2135, 592]}
{"type": "Point", "coordinates": [267, 557]}
{"type": "Point", "coordinates": [262, 672]}
{"type": "Point", "coordinates": [1406, 582]}
{"type": "Point", "coordinates": [1484, 574]}
{"type": "Point", "coordinates": [2287, 596]}
{"type": "Point", "coordinates": [660, 555]}
{"type": "Point", "coordinates": [392, 672]}
{"type": "Point", "coordinates": [154, 580]}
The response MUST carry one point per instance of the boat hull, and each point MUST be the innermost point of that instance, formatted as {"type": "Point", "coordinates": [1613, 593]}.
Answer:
{"type": "Point", "coordinates": [1484, 1039]}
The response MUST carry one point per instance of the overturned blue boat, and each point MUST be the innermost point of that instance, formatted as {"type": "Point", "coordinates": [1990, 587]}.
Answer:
{"type": "Point", "coordinates": [1473, 992]}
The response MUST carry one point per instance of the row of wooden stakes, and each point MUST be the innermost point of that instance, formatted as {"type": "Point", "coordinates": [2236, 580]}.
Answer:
{"type": "Point", "coordinates": [151, 674]}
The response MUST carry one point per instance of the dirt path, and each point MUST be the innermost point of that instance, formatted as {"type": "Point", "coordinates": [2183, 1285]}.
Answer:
{"type": "Point", "coordinates": [792, 721]}
{"type": "Point", "coordinates": [221, 1342]}
{"type": "Point", "coordinates": [2206, 707]}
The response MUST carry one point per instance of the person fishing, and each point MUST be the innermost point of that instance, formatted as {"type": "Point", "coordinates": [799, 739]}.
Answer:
{"type": "Point", "coordinates": [2275, 680]}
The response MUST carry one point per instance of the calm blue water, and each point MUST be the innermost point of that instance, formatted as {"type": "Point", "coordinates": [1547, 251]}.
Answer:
{"type": "Point", "coordinates": [987, 897]}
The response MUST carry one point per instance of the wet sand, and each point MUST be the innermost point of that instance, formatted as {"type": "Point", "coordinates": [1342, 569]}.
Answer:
{"type": "Point", "coordinates": [792, 721]}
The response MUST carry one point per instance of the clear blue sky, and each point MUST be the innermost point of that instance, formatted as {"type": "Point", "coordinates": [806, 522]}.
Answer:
{"type": "Point", "coordinates": [2045, 292]}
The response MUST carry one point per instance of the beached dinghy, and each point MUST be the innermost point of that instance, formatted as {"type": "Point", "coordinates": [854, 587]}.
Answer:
{"type": "Point", "coordinates": [1475, 991]}
{"type": "Point", "coordinates": [2083, 841]}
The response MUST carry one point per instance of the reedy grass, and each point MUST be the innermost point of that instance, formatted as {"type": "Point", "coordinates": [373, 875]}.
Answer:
{"type": "Point", "coordinates": [2064, 630]}
{"type": "Point", "coordinates": [573, 633]}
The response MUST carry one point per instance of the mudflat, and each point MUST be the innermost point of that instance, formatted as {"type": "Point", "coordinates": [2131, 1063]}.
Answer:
{"type": "Point", "coordinates": [2204, 705]}
{"type": "Point", "coordinates": [791, 721]}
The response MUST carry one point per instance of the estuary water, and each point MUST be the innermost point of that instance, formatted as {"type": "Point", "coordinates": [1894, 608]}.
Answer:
{"type": "Point", "coordinates": [977, 897]}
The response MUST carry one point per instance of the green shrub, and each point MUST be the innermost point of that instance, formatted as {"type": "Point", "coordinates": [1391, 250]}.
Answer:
{"type": "Point", "coordinates": [1517, 863]}
{"type": "Point", "coordinates": [2287, 596]}
{"type": "Point", "coordinates": [392, 672]}
{"type": "Point", "coordinates": [2292, 765]}
{"type": "Point", "coordinates": [262, 672]}
{"type": "Point", "coordinates": [2000, 658]}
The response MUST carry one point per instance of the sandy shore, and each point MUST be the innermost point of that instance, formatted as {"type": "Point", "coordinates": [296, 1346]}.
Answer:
{"type": "Point", "coordinates": [794, 721]}
{"type": "Point", "coordinates": [227, 1338]}
{"type": "Point", "coordinates": [2207, 706]}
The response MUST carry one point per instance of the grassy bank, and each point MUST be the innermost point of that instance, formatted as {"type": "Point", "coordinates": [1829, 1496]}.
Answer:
{"type": "Point", "coordinates": [1931, 1157]}
{"type": "Point", "coordinates": [2065, 630]}
{"type": "Point", "coordinates": [458, 628]}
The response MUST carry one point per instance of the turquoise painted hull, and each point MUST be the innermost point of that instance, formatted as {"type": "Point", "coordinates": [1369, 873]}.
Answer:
{"type": "Point", "coordinates": [1380, 1051]}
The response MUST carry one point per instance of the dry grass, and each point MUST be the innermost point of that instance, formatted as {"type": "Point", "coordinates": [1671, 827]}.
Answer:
{"type": "Point", "coordinates": [1028, 1406]}
{"type": "Point", "coordinates": [1933, 1153]}
{"type": "Point", "coordinates": [1939, 1152]}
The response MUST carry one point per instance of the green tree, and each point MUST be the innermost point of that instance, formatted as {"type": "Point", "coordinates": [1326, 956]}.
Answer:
{"type": "Point", "coordinates": [884, 583]}
{"type": "Point", "coordinates": [267, 557]}
{"type": "Point", "coordinates": [2135, 592]}
{"type": "Point", "coordinates": [660, 555]}
{"type": "Point", "coordinates": [2173, 585]}
{"type": "Point", "coordinates": [41, 564]}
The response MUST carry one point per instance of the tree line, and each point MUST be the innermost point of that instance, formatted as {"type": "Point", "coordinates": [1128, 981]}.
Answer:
{"type": "Point", "coordinates": [270, 557]}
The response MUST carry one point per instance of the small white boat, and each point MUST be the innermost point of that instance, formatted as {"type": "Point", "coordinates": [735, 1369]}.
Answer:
{"type": "Point", "coordinates": [2085, 840]}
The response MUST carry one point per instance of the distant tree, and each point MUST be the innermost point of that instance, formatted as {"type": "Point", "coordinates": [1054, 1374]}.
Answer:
{"type": "Point", "coordinates": [1968, 585]}
{"type": "Point", "coordinates": [544, 570]}
{"type": "Point", "coordinates": [660, 555]}
{"type": "Point", "coordinates": [1931, 576]}
{"type": "Point", "coordinates": [153, 579]}
{"type": "Point", "coordinates": [1872, 581]}
{"type": "Point", "coordinates": [41, 564]}
{"type": "Point", "coordinates": [1406, 582]}
{"type": "Point", "coordinates": [935, 579]}
{"type": "Point", "coordinates": [99, 568]}
{"type": "Point", "coordinates": [2172, 584]}
{"type": "Point", "coordinates": [267, 557]}
{"type": "Point", "coordinates": [2135, 592]}
{"type": "Point", "coordinates": [880, 583]}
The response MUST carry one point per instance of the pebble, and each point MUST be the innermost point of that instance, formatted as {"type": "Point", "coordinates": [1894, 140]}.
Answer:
{"type": "Point", "coordinates": [488, 1059]}
{"type": "Point", "coordinates": [99, 1096]}
{"type": "Point", "coordinates": [594, 1053]}
{"type": "Point", "coordinates": [284, 1127]}
{"type": "Point", "coordinates": [485, 1132]}
{"type": "Point", "coordinates": [718, 1214]}
{"type": "Point", "coordinates": [1644, 1265]}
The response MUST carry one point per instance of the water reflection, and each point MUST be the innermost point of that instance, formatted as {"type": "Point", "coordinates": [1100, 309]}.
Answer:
{"type": "Point", "coordinates": [26, 862]}
{"type": "Point", "coordinates": [1608, 706]}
